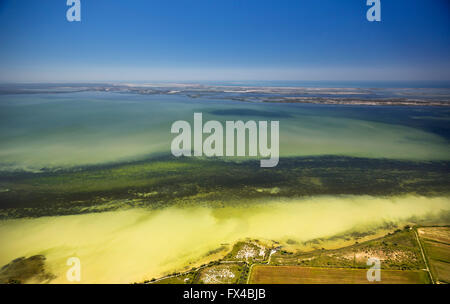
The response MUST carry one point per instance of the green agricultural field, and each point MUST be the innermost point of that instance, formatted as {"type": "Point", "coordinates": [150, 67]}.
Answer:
{"type": "Point", "coordinates": [436, 243]}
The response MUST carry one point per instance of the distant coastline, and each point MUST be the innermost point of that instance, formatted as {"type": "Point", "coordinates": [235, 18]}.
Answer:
{"type": "Point", "coordinates": [377, 96]}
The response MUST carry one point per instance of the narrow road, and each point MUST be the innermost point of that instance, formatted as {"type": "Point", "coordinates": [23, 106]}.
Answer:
{"type": "Point", "coordinates": [423, 255]}
{"type": "Point", "coordinates": [175, 275]}
{"type": "Point", "coordinates": [249, 273]}
{"type": "Point", "coordinates": [189, 271]}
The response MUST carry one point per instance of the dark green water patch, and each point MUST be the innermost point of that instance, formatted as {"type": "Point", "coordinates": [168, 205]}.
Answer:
{"type": "Point", "coordinates": [168, 181]}
{"type": "Point", "coordinates": [22, 270]}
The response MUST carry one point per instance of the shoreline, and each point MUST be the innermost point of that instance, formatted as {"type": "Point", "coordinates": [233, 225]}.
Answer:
{"type": "Point", "coordinates": [437, 97]}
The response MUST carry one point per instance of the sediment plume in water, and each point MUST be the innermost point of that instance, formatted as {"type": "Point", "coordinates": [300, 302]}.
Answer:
{"type": "Point", "coordinates": [138, 244]}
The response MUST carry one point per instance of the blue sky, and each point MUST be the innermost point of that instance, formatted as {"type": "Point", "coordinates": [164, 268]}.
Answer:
{"type": "Point", "coordinates": [147, 40]}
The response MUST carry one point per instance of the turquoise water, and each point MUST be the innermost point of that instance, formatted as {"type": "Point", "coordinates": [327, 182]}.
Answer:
{"type": "Point", "coordinates": [71, 129]}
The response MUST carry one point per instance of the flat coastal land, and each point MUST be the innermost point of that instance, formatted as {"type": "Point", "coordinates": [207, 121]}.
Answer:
{"type": "Point", "coordinates": [267, 94]}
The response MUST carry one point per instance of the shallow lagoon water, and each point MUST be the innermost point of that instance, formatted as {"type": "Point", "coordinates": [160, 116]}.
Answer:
{"type": "Point", "coordinates": [138, 244]}
{"type": "Point", "coordinates": [60, 130]}
{"type": "Point", "coordinates": [63, 130]}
